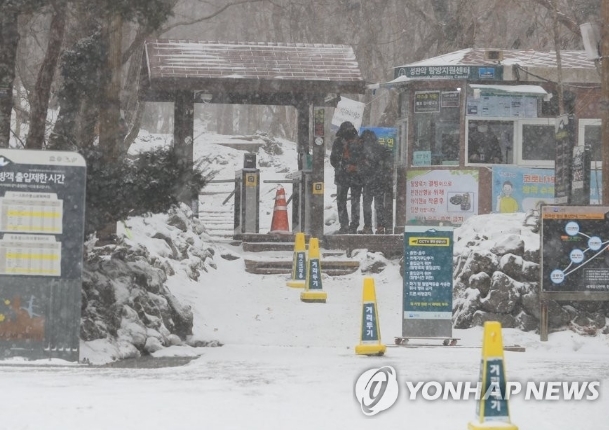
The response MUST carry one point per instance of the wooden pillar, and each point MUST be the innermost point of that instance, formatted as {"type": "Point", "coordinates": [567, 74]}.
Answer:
{"type": "Point", "coordinates": [543, 319]}
{"type": "Point", "coordinates": [304, 118]}
{"type": "Point", "coordinates": [183, 135]}
{"type": "Point", "coordinates": [317, 173]}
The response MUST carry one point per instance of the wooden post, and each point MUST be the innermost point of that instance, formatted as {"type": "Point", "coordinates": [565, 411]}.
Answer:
{"type": "Point", "coordinates": [183, 136]}
{"type": "Point", "coordinates": [317, 174]}
{"type": "Point", "coordinates": [543, 319]}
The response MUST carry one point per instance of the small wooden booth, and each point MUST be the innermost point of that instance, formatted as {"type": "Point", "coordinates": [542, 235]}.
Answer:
{"type": "Point", "coordinates": [308, 77]}
{"type": "Point", "coordinates": [475, 122]}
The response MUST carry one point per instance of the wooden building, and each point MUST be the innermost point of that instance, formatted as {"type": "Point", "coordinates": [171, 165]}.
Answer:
{"type": "Point", "coordinates": [470, 116]}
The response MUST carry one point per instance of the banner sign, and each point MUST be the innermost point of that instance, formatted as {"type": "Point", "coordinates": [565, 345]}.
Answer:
{"type": "Point", "coordinates": [428, 282]}
{"type": "Point", "coordinates": [494, 73]}
{"type": "Point", "coordinates": [348, 110]}
{"type": "Point", "coordinates": [574, 248]}
{"type": "Point", "coordinates": [565, 138]}
{"type": "Point", "coordinates": [387, 136]}
{"type": "Point", "coordinates": [520, 189]}
{"type": "Point", "coordinates": [441, 195]}
{"type": "Point", "coordinates": [42, 207]}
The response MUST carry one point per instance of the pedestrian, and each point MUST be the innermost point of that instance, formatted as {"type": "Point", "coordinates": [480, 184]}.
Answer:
{"type": "Point", "coordinates": [346, 158]}
{"type": "Point", "coordinates": [377, 176]}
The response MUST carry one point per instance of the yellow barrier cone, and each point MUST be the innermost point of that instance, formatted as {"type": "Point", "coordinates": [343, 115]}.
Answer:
{"type": "Point", "coordinates": [299, 263]}
{"type": "Point", "coordinates": [492, 410]}
{"type": "Point", "coordinates": [370, 338]}
{"type": "Point", "coordinates": [313, 292]}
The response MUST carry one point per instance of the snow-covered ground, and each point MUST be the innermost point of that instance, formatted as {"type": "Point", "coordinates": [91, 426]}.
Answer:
{"type": "Point", "coordinates": [286, 364]}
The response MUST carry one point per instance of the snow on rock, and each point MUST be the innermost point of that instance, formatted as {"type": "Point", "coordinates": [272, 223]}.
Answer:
{"type": "Point", "coordinates": [125, 300]}
{"type": "Point", "coordinates": [496, 278]}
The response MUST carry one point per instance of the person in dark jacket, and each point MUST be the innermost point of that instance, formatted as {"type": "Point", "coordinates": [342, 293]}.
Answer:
{"type": "Point", "coordinates": [377, 179]}
{"type": "Point", "coordinates": [346, 158]}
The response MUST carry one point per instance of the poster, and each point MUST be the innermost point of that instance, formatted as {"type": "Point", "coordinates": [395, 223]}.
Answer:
{"type": "Point", "coordinates": [441, 196]}
{"type": "Point", "coordinates": [387, 136]}
{"type": "Point", "coordinates": [520, 189]}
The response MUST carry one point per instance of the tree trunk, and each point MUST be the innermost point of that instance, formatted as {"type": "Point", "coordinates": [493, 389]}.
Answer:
{"type": "Point", "coordinates": [110, 111]}
{"type": "Point", "coordinates": [42, 92]}
{"type": "Point", "coordinates": [9, 38]}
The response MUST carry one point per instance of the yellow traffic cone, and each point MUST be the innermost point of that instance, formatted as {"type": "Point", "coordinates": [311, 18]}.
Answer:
{"type": "Point", "coordinates": [492, 410]}
{"type": "Point", "coordinates": [313, 292]}
{"type": "Point", "coordinates": [370, 338]}
{"type": "Point", "coordinates": [299, 263]}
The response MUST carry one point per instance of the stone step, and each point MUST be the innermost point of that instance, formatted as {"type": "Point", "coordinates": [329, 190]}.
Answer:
{"type": "Point", "coordinates": [329, 267]}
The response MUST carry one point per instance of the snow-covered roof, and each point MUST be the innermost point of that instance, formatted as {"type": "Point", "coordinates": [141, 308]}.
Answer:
{"type": "Point", "coordinates": [475, 64]}
{"type": "Point", "coordinates": [269, 67]}
{"type": "Point", "coordinates": [512, 89]}
{"type": "Point", "coordinates": [524, 58]}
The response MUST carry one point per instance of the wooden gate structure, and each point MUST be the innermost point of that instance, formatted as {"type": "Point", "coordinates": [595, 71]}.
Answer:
{"type": "Point", "coordinates": [301, 75]}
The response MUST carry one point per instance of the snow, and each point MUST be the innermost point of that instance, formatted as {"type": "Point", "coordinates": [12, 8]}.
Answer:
{"type": "Point", "coordinates": [286, 364]}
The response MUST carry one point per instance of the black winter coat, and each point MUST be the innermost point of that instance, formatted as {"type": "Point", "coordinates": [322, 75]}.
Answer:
{"type": "Point", "coordinates": [347, 160]}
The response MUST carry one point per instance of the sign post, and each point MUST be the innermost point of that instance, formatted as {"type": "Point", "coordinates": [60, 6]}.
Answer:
{"type": "Point", "coordinates": [42, 207]}
{"type": "Point", "coordinates": [428, 282]}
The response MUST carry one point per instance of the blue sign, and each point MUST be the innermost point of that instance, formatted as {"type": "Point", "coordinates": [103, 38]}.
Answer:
{"type": "Point", "coordinates": [387, 136]}
{"type": "Point", "coordinates": [300, 272]}
{"type": "Point", "coordinates": [370, 330]}
{"type": "Point", "coordinates": [486, 73]}
{"type": "Point", "coordinates": [493, 393]}
{"type": "Point", "coordinates": [314, 275]}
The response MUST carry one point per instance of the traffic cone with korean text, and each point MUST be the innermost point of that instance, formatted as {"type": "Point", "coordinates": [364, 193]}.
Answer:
{"type": "Point", "coordinates": [313, 292]}
{"type": "Point", "coordinates": [492, 410]}
{"type": "Point", "coordinates": [279, 224]}
{"type": "Point", "coordinates": [299, 263]}
{"type": "Point", "coordinates": [370, 333]}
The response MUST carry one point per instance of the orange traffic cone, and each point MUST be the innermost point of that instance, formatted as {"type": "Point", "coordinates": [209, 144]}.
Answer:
{"type": "Point", "coordinates": [279, 224]}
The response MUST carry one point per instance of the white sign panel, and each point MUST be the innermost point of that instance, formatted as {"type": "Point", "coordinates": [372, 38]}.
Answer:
{"type": "Point", "coordinates": [348, 110]}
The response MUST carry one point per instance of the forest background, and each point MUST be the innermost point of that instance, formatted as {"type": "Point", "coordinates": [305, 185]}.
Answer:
{"type": "Point", "coordinates": [69, 70]}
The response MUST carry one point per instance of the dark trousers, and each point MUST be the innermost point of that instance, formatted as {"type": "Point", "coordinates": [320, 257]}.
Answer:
{"type": "Point", "coordinates": [341, 204]}
{"type": "Point", "coordinates": [376, 193]}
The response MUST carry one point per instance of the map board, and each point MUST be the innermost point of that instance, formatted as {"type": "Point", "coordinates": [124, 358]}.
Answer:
{"type": "Point", "coordinates": [574, 242]}
{"type": "Point", "coordinates": [42, 207]}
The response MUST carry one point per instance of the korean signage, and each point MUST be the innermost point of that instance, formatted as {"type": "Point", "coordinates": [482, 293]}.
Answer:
{"type": "Point", "coordinates": [42, 205]}
{"type": "Point", "coordinates": [574, 248]}
{"type": "Point", "coordinates": [520, 189]}
{"type": "Point", "coordinates": [428, 272]}
{"type": "Point", "coordinates": [565, 139]}
{"type": "Point", "coordinates": [348, 110]}
{"type": "Point", "coordinates": [450, 99]}
{"type": "Point", "coordinates": [370, 331]}
{"type": "Point", "coordinates": [450, 72]}
{"type": "Point", "coordinates": [441, 196]}
{"type": "Point", "coordinates": [494, 400]}
{"type": "Point", "coordinates": [426, 101]}
{"type": "Point", "coordinates": [503, 106]}
{"type": "Point", "coordinates": [387, 136]}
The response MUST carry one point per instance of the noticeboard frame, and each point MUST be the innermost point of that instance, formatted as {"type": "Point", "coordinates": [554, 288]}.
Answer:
{"type": "Point", "coordinates": [562, 216]}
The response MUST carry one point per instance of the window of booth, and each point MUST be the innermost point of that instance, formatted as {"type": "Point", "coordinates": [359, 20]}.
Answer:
{"type": "Point", "coordinates": [590, 134]}
{"type": "Point", "coordinates": [537, 138]}
{"type": "Point", "coordinates": [436, 127]}
{"type": "Point", "coordinates": [490, 141]}
{"type": "Point", "coordinates": [524, 142]}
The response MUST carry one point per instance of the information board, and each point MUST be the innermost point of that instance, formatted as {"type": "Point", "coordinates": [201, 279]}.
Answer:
{"type": "Point", "coordinates": [574, 242]}
{"type": "Point", "coordinates": [428, 282]}
{"type": "Point", "coordinates": [42, 207]}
